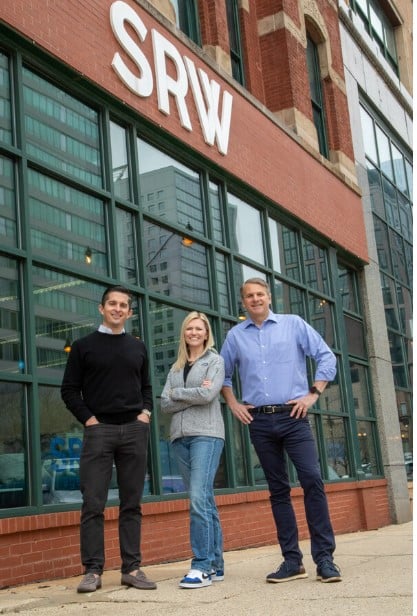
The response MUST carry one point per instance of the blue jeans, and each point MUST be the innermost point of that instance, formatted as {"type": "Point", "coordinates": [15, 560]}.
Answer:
{"type": "Point", "coordinates": [126, 446]}
{"type": "Point", "coordinates": [271, 436]}
{"type": "Point", "coordinates": [198, 458]}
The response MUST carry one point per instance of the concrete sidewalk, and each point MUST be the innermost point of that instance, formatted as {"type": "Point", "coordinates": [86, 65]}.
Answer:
{"type": "Point", "coordinates": [377, 581]}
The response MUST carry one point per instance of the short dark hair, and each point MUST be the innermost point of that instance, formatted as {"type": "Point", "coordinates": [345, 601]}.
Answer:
{"type": "Point", "coordinates": [117, 289]}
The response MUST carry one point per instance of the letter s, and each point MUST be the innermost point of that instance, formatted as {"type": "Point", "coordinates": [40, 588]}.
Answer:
{"type": "Point", "coordinates": [119, 13]}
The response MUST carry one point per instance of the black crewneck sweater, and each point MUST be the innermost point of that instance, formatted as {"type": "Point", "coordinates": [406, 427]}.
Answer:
{"type": "Point", "coordinates": [107, 375]}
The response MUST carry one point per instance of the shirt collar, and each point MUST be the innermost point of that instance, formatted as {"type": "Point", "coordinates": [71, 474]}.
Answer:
{"type": "Point", "coordinates": [106, 330]}
{"type": "Point", "coordinates": [271, 317]}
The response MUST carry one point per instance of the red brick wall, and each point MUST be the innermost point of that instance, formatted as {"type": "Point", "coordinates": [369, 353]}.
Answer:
{"type": "Point", "coordinates": [45, 547]}
{"type": "Point", "coordinates": [260, 152]}
{"type": "Point", "coordinates": [251, 51]}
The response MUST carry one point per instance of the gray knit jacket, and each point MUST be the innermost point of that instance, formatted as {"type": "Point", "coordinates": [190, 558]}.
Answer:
{"type": "Point", "coordinates": [195, 409]}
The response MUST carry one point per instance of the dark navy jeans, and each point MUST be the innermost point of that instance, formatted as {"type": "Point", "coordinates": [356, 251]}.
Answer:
{"type": "Point", "coordinates": [271, 436]}
{"type": "Point", "coordinates": [126, 446]}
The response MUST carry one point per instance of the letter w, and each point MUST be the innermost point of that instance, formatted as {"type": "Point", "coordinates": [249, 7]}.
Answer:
{"type": "Point", "coordinates": [214, 129]}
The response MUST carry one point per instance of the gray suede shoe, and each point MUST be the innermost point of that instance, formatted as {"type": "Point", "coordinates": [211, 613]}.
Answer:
{"type": "Point", "coordinates": [89, 583]}
{"type": "Point", "coordinates": [139, 580]}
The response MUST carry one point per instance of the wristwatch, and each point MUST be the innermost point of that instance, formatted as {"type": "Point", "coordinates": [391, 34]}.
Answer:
{"type": "Point", "coordinates": [314, 390]}
{"type": "Point", "coordinates": [146, 412]}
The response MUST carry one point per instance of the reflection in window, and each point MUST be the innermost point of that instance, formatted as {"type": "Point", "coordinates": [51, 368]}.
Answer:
{"type": "Point", "coordinates": [375, 189]}
{"type": "Point", "coordinates": [398, 359]}
{"type": "Point", "coordinates": [331, 399]}
{"type": "Point", "coordinates": [334, 430]}
{"type": "Point", "coordinates": [120, 167]}
{"type": "Point", "coordinates": [185, 266]}
{"type": "Point", "coordinates": [222, 283]}
{"type": "Point", "coordinates": [66, 224]}
{"type": "Point", "coordinates": [171, 187]}
{"type": "Point", "coordinates": [368, 135]}
{"type": "Point", "coordinates": [186, 18]}
{"type": "Point", "coordinates": [7, 203]}
{"type": "Point", "coordinates": [360, 389]}
{"type": "Point", "coordinates": [214, 198]}
{"type": "Point", "coordinates": [366, 440]}
{"type": "Point", "coordinates": [316, 95]}
{"type": "Point", "coordinates": [321, 318]}
{"type": "Point", "coordinates": [315, 266]}
{"type": "Point", "coordinates": [246, 229]}
{"type": "Point", "coordinates": [126, 245]}
{"type": "Point", "coordinates": [13, 481]}
{"type": "Point", "coordinates": [382, 245]}
{"type": "Point", "coordinates": [5, 107]}
{"type": "Point", "coordinates": [66, 308]}
{"type": "Point", "coordinates": [347, 289]}
{"type": "Point", "coordinates": [288, 299]}
{"type": "Point", "coordinates": [232, 11]}
{"type": "Point", "coordinates": [355, 336]}
{"type": "Point", "coordinates": [284, 248]}
{"type": "Point", "coordinates": [11, 359]}
{"type": "Point", "coordinates": [60, 131]}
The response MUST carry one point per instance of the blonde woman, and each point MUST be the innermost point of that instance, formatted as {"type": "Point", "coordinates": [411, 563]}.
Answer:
{"type": "Point", "coordinates": [191, 395]}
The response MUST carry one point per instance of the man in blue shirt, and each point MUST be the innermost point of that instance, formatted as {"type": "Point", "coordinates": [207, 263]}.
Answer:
{"type": "Point", "coordinates": [270, 352]}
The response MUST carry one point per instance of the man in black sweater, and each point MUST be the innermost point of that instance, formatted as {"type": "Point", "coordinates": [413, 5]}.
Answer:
{"type": "Point", "coordinates": [107, 387]}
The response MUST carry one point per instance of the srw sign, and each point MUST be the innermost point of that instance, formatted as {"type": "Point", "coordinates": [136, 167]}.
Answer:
{"type": "Point", "coordinates": [215, 124]}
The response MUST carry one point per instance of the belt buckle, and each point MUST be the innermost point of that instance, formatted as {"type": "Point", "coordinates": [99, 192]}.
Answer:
{"type": "Point", "coordinates": [271, 409]}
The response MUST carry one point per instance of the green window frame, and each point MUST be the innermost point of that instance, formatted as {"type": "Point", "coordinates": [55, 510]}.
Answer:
{"type": "Point", "coordinates": [233, 26]}
{"type": "Point", "coordinates": [316, 95]}
{"type": "Point", "coordinates": [379, 28]}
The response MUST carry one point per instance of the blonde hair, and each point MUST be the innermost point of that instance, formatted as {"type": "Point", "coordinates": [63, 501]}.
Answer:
{"type": "Point", "coordinates": [183, 355]}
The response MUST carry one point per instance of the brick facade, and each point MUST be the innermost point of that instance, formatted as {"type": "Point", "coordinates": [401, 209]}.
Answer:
{"type": "Point", "coordinates": [45, 547]}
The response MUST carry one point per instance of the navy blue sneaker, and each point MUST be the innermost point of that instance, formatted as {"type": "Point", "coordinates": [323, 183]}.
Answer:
{"type": "Point", "coordinates": [217, 575]}
{"type": "Point", "coordinates": [327, 571]}
{"type": "Point", "coordinates": [287, 572]}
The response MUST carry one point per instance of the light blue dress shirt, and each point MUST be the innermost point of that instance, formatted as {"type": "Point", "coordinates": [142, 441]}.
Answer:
{"type": "Point", "coordinates": [271, 359]}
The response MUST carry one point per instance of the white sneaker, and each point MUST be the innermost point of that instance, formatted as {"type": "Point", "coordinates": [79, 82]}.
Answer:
{"type": "Point", "coordinates": [195, 579]}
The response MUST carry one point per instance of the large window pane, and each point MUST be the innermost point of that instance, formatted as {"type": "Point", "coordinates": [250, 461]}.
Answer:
{"type": "Point", "coordinates": [398, 359]}
{"type": "Point", "coordinates": [368, 459]}
{"type": "Point", "coordinates": [13, 480]}
{"type": "Point", "coordinates": [61, 132]}
{"type": "Point", "coordinates": [166, 325]}
{"type": "Point", "coordinates": [120, 166]}
{"type": "Point", "coordinates": [375, 189]}
{"type": "Point", "coordinates": [126, 245]}
{"type": "Point", "coordinates": [331, 398]}
{"type": "Point", "coordinates": [222, 283]}
{"type": "Point", "coordinates": [335, 439]}
{"type": "Point", "coordinates": [66, 224]}
{"type": "Point", "coordinates": [382, 244]}
{"type": "Point", "coordinates": [5, 107]}
{"type": "Point", "coordinates": [384, 153]}
{"type": "Point", "coordinates": [347, 289]}
{"type": "Point", "coordinates": [66, 308]}
{"type": "Point", "coordinates": [215, 208]}
{"type": "Point", "coordinates": [176, 267]}
{"type": "Point", "coordinates": [398, 258]}
{"type": "Point", "coordinates": [169, 189]}
{"type": "Point", "coordinates": [246, 230]}
{"type": "Point", "coordinates": [284, 249]}
{"type": "Point", "coordinates": [8, 235]}
{"type": "Point", "coordinates": [360, 389]}
{"type": "Point", "coordinates": [391, 206]}
{"type": "Point", "coordinates": [315, 266]}
{"type": "Point", "coordinates": [406, 217]}
{"type": "Point", "coordinates": [288, 299]}
{"type": "Point", "coordinates": [11, 358]}
{"type": "Point", "coordinates": [389, 297]}
{"type": "Point", "coordinates": [355, 336]}
{"type": "Point", "coordinates": [368, 135]}
{"type": "Point", "coordinates": [321, 318]}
